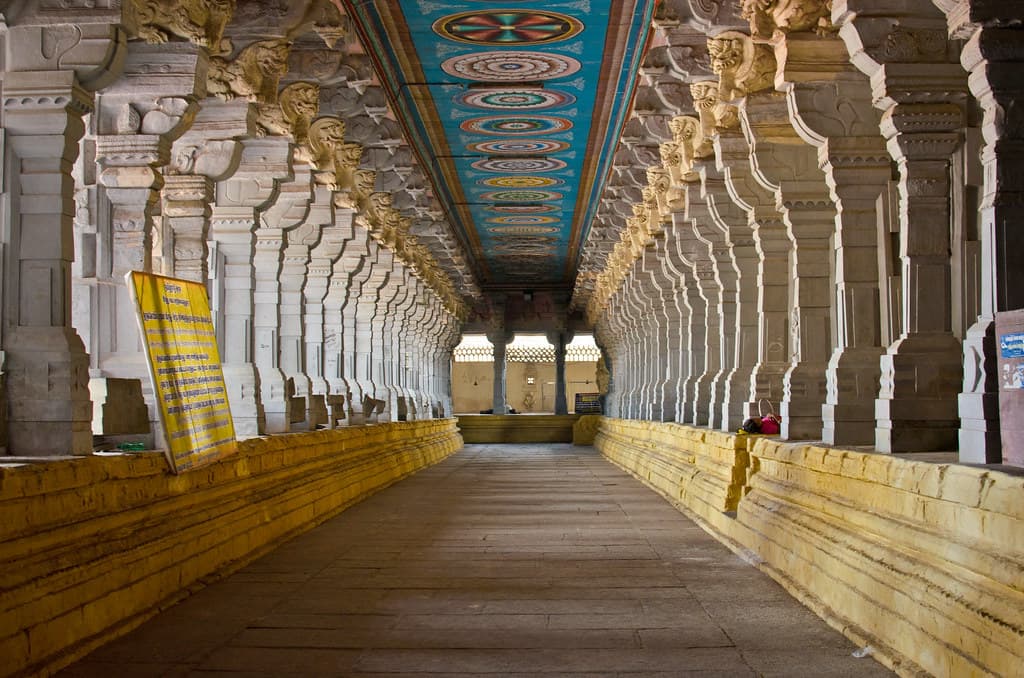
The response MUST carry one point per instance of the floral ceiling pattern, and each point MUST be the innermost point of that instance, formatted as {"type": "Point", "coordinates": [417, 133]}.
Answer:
{"type": "Point", "coordinates": [516, 108]}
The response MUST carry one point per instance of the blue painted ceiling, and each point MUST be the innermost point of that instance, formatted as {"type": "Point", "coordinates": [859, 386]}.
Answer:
{"type": "Point", "coordinates": [515, 108]}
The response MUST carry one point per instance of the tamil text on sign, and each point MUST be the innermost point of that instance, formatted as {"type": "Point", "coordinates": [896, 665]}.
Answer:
{"type": "Point", "coordinates": [181, 345]}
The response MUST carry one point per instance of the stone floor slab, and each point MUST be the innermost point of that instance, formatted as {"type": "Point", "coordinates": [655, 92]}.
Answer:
{"type": "Point", "coordinates": [511, 561]}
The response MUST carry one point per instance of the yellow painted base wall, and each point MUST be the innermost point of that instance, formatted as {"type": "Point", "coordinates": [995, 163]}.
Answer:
{"type": "Point", "coordinates": [517, 428]}
{"type": "Point", "coordinates": [91, 547]}
{"type": "Point", "coordinates": [923, 562]}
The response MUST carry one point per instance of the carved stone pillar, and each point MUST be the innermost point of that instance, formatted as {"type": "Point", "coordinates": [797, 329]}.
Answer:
{"type": "Point", "coordinates": [852, 154]}
{"type": "Point", "coordinates": [559, 340]}
{"type": "Point", "coordinates": [921, 91]}
{"type": "Point", "coordinates": [666, 369]}
{"type": "Point", "coordinates": [185, 209]}
{"type": "Point", "coordinates": [319, 278]}
{"type": "Point", "coordinates": [714, 231]}
{"type": "Point", "coordinates": [400, 400]}
{"type": "Point", "coordinates": [789, 168]}
{"type": "Point", "coordinates": [45, 94]}
{"type": "Point", "coordinates": [733, 215]}
{"type": "Point", "coordinates": [137, 118]}
{"type": "Point", "coordinates": [301, 254]}
{"type": "Point", "coordinates": [680, 314]}
{"type": "Point", "coordinates": [289, 208]}
{"type": "Point", "coordinates": [499, 340]}
{"type": "Point", "coordinates": [992, 56]}
{"type": "Point", "coordinates": [240, 199]}
{"type": "Point", "coordinates": [366, 324]}
{"type": "Point", "coordinates": [207, 153]}
{"type": "Point", "coordinates": [340, 318]}
{"type": "Point", "coordinates": [702, 297]}
{"type": "Point", "coordinates": [379, 346]}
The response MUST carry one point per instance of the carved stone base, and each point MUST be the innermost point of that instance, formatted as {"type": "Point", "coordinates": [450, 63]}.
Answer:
{"type": "Point", "coordinates": [276, 398]}
{"type": "Point", "coordinates": [917, 408]}
{"type": "Point", "coordinates": [980, 441]}
{"type": "Point", "coordinates": [49, 410]}
{"type": "Point", "coordinates": [316, 411]}
{"type": "Point", "coordinates": [118, 407]}
{"type": "Point", "coordinates": [734, 406]}
{"type": "Point", "coordinates": [337, 412]}
{"type": "Point", "coordinates": [850, 420]}
{"type": "Point", "coordinates": [243, 396]}
{"type": "Point", "coordinates": [801, 407]}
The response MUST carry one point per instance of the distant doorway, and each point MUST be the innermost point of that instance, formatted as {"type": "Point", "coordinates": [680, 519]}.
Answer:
{"type": "Point", "coordinates": [529, 374]}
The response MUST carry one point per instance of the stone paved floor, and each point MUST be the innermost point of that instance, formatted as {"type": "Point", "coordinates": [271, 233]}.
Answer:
{"type": "Point", "coordinates": [504, 560]}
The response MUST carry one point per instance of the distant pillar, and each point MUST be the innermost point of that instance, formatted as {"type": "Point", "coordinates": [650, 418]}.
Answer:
{"type": "Point", "coordinates": [499, 341]}
{"type": "Point", "coordinates": [560, 339]}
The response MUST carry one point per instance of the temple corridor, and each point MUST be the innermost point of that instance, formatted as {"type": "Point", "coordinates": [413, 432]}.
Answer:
{"type": "Point", "coordinates": [501, 560]}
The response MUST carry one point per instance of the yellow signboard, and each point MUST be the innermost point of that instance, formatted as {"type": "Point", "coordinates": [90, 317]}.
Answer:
{"type": "Point", "coordinates": [181, 345]}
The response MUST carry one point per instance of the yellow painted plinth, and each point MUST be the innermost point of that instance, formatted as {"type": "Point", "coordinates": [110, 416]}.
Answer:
{"type": "Point", "coordinates": [923, 562]}
{"type": "Point", "coordinates": [517, 428]}
{"type": "Point", "coordinates": [94, 546]}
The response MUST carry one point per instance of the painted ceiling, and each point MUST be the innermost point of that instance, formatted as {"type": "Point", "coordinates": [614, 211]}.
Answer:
{"type": "Point", "coordinates": [516, 108]}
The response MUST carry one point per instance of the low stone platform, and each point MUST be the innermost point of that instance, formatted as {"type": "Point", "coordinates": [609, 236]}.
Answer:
{"type": "Point", "coordinates": [517, 428]}
{"type": "Point", "coordinates": [502, 560]}
{"type": "Point", "coordinates": [93, 546]}
{"type": "Point", "coordinates": [922, 561]}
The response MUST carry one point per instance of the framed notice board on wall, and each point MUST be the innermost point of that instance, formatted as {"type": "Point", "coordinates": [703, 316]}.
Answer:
{"type": "Point", "coordinates": [588, 403]}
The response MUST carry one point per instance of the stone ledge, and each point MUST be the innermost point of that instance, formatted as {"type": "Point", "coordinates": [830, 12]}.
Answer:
{"type": "Point", "coordinates": [91, 547]}
{"type": "Point", "coordinates": [517, 428]}
{"type": "Point", "coordinates": [924, 562]}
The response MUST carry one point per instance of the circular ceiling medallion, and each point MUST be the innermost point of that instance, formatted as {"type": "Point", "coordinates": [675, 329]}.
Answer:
{"type": "Point", "coordinates": [523, 209]}
{"type": "Point", "coordinates": [521, 182]}
{"type": "Point", "coordinates": [523, 219]}
{"type": "Point", "coordinates": [518, 146]}
{"type": "Point", "coordinates": [515, 99]}
{"type": "Point", "coordinates": [521, 196]}
{"type": "Point", "coordinates": [507, 27]}
{"type": "Point", "coordinates": [510, 66]}
{"type": "Point", "coordinates": [522, 230]}
{"type": "Point", "coordinates": [524, 248]}
{"type": "Point", "coordinates": [524, 125]}
{"type": "Point", "coordinates": [519, 164]}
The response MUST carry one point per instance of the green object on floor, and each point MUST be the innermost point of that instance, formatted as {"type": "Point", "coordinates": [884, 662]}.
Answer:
{"type": "Point", "coordinates": [132, 447]}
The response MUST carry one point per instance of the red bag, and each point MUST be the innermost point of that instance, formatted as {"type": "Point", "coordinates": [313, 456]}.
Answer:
{"type": "Point", "coordinates": [771, 423]}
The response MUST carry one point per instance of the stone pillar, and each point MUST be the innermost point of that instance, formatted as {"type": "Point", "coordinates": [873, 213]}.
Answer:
{"type": "Point", "coordinates": [701, 296]}
{"type": "Point", "coordinates": [664, 387]}
{"type": "Point", "coordinates": [240, 199]}
{"type": "Point", "coordinates": [714, 232]}
{"type": "Point", "coordinates": [298, 366]}
{"type": "Point", "coordinates": [379, 347]}
{"type": "Point", "coordinates": [992, 56]}
{"type": "Point", "coordinates": [733, 214]}
{"type": "Point", "coordinates": [857, 168]}
{"type": "Point", "coordinates": [205, 154]}
{"type": "Point", "coordinates": [378, 270]}
{"type": "Point", "coordinates": [339, 318]}
{"type": "Point", "coordinates": [499, 340]}
{"type": "Point", "coordinates": [45, 96]}
{"type": "Point", "coordinates": [320, 275]}
{"type": "Point", "coordinates": [136, 121]}
{"type": "Point", "coordinates": [289, 208]}
{"type": "Point", "coordinates": [787, 167]}
{"type": "Point", "coordinates": [679, 329]}
{"type": "Point", "coordinates": [905, 53]}
{"type": "Point", "coordinates": [185, 210]}
{"type": "Point", "coordinates": [559, 340]}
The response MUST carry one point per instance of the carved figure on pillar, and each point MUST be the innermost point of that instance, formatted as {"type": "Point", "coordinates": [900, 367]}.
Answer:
{"type": "Point", "coordinates": [298, 103]}
{"type": "Point", "coordinates": [200, 21]}
{"type": "Point", "coordinates": [253, 75]}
